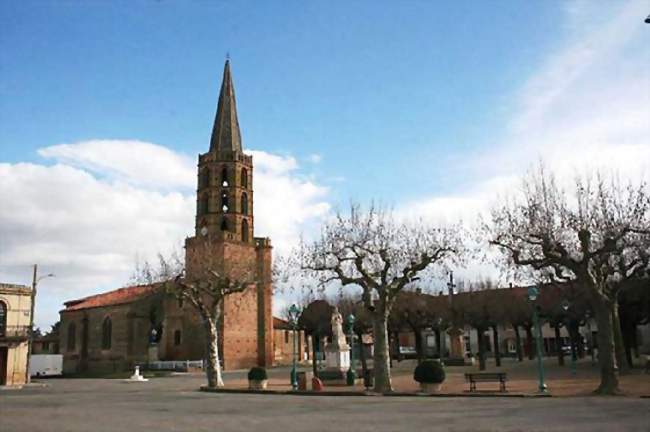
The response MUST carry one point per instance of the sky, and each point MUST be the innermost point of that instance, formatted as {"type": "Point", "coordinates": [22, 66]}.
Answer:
{"type": "Point", "coordinates": [432, 108]}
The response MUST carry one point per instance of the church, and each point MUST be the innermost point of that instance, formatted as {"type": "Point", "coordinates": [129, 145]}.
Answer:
{"type": "Point", "coordinates": [113, 331]}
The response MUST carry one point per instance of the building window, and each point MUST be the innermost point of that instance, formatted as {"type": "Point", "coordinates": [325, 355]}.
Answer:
{"type": "Point", "coordinates": [224, 201]}
{"type": "Point", "coordinates": [177, 337]}
{"type": "Point", "coordinates": [244, 178]}
{"type": "Point", "coordinates": [244, 203]}
{"type": "Point", "coordinates": [204, 205]}
{"type": "Point", "coordinates": [205, 178]}
{"type": "Point", "coordinates": [224, 224]}
{"type": "Point", "coordinates": [224, 176]}
{"type": "Point", "coordinates": [46, 346]}
{"type": "Point", "coordinates": [3, 318]}
{"type": "Point", "coordinates": [244, 230]}
{"type": "Point", "coordinates": [72, 336]}
{"type": "Point", "coordinates": [107, 329]}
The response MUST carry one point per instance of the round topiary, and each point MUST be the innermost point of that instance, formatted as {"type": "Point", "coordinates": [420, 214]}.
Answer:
{"type": "Point", "coordinates": [429, 372]}
{"type": "Point", "coordinates": [257, 374]}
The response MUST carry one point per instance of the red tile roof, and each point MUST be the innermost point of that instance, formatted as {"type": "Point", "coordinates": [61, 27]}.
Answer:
{"type": "Point", "coordinates": [111, 298]}
{"type": "Point", "coordinates": [281, 324]}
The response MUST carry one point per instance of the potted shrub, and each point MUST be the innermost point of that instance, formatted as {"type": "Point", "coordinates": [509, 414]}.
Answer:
{"type": "Point", "coordinates": [430, 374]}
{"type": "Point", "coordinates": [257, 378]}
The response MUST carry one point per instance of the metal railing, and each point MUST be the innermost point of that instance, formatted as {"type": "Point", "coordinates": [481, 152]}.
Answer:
{"type": "Point", "coordinates": [175, 365]}
{"type": "Point", "coordinates": [14, 332]}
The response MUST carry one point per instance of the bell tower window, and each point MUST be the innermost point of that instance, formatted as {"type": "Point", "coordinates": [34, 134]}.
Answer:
{"type": "Point", "coordinates": [224, 176]}
{"type": "Point", "coordinates": [244, 178]}
{"type": "Point", "coordinates": [244, 230]}
{"type": "Point", "coordinates": [224, 201]}
{"type": "Point", "coordinates": [244, 203]}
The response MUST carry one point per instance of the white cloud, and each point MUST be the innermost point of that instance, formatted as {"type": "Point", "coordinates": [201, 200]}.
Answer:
{"type": "Point", "coordinates": [86, 217]}
{"type": "Point", "coordinates": [587, 107]}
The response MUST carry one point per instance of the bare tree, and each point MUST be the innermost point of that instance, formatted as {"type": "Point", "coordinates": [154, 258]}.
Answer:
{"type": "Point", "coordinates": [598, 238]}
{"type": "Point", "coordinates": [205, 290]}
{"type": "Point", "coordinates": [206, 293]}
{"type": "Point", "coordinates": [372, 251]}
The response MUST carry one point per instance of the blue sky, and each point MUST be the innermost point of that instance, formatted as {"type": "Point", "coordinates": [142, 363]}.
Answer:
{"type": "Point", "coordinates": [432, 107]}
{"type": "Point", "coordinates": [377, 91]}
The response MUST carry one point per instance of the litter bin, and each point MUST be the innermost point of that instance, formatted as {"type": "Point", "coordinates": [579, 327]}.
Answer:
{"type": "Point", "coordinates": [304, 380]}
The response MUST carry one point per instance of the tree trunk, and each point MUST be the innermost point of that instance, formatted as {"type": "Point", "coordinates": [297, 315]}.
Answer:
{"type": "Point", "coordinates": [520, 354]}
{"type": "Point", "coordinates": [606, 351]}
{"type": "Point", "coordinates": [213, 367]}
{"type": "Point", "coordinates": [619, 348]}
{"type": "Point", "coordinates": [481, 349]}
{"type": "Point", "coordinates": [497, 351]}
{"type": "Point", "coordinates": [381, 355]}
{"type": "Point", "coordinates": [529, 341]}
{"type": "Point", "coordinates": [438, 343]}
{"type": "Point", "coordinates": [419, 348]}
{"type": "Point", "coordinates": [558, 345]}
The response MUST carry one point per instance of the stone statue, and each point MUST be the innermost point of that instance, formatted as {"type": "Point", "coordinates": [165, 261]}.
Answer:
{"type": "Point", "coordinates": [338, 336]}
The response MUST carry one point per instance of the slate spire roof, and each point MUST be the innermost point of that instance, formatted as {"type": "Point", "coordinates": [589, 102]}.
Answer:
{"type": "Point", "coordinates": [225, 132]}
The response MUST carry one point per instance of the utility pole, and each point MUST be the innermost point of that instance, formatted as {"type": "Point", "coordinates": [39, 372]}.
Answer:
{"type": "Point", "coordinates": [30, 341]}
{"type": "Point", "coordinates": [28, 378]}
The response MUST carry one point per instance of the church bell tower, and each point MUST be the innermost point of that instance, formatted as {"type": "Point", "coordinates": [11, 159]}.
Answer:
{"type": "Point", "coordinates": [224, 241]}
{"type": "Point", "coordinates": [224, 198]}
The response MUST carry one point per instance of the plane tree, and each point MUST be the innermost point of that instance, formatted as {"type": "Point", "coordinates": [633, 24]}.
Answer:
{"type": "Point", "coordinates": [596, 236]}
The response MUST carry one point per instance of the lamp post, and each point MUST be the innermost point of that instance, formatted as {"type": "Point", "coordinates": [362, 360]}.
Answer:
{"type": "Point", "coordinates": [533, 293]}
{"type": "Point", "coordinates": [566, 305]}
{"type": "Point", "coordinates": [351, 375]}
{"type": "Point", "coordinates": [35, 282]}
{"type": "Point", "coordinates": [590, 340]}
{"type": "Point", "coordinates": [293, 320]}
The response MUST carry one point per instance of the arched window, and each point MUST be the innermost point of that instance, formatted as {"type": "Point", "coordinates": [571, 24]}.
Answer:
{"type": "Point", "coordinates": [244, 203]}
{"type": "Point", "coordinates": [3, 318]}
{"type": "Point", "coordinates": [224, 176]}
{"type": "Point", "coordinates": [244, 230]}
{"type": "Point", "coordinates": [72, 336]}
{"type": "Point", "coordinates": [204, 204]}
{"type": "Point", "coordinates": [107, 330]}
{"type": "Point", "coordinates": [224, 224]}
{"type": "Point", "coordinates": [205, 178]}
{"type": "Point", "coordinates": [244, 178]}
{"type": "Point", "coordinates": [224, 201]}
{"type": "Point", "coordinates": [177, 337]}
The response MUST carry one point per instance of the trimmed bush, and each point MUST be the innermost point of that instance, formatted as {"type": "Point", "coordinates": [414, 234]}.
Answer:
{"type": "Point", "coordinates": [257, 374]}
{"type": "Point", "coordinates": [429, 372]}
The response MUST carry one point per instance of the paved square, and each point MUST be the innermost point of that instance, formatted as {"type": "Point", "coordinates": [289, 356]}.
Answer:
{"type": "Point", "coordinates": [174, 404]}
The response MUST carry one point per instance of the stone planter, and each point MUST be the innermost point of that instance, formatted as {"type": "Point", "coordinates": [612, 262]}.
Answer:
{"type": "Point", "coordinates": [257, 385]}
{"type": "Point", "coordinates": [430, 388]}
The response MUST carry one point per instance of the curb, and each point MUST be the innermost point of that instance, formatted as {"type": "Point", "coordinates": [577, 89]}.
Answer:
{"type": "Point", "coordinates": [370, 394]}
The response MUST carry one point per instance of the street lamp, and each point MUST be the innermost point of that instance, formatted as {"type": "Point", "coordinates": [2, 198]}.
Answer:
{"type": "Point", "coordinates": [533, 293]}
{"type": "Point", "coordinates": [590, 340]}
{"type": "Point", "coordinates": [35, 282]}
{"type": "Point", "coordinates": [351, 376]}
{"type": "Point", "coordinates": [294, 312]}
{"type": "Point", "coordinates": [566, 305]}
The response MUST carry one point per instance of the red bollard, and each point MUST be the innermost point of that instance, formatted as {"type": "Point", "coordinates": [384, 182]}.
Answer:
{"type": "Point", "coordinates": [316, 384]}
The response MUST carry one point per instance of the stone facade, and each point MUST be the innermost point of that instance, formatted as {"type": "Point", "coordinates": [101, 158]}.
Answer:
{"type": "Point", "coordinates": [15, 313]}
{"type": "Point", "coordinates": [223, 242]}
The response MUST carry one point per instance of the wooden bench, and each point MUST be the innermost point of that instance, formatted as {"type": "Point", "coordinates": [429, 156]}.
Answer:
{"type": "Point", "coordinates": [473, 378]}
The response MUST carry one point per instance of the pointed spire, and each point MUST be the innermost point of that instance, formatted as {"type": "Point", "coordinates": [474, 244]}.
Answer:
{"type": "Point", "coordinates": [225, 132]}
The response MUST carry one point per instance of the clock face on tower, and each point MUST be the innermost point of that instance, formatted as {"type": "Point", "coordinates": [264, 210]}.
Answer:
{"type": "Point", "coordinates": [204, 231]}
